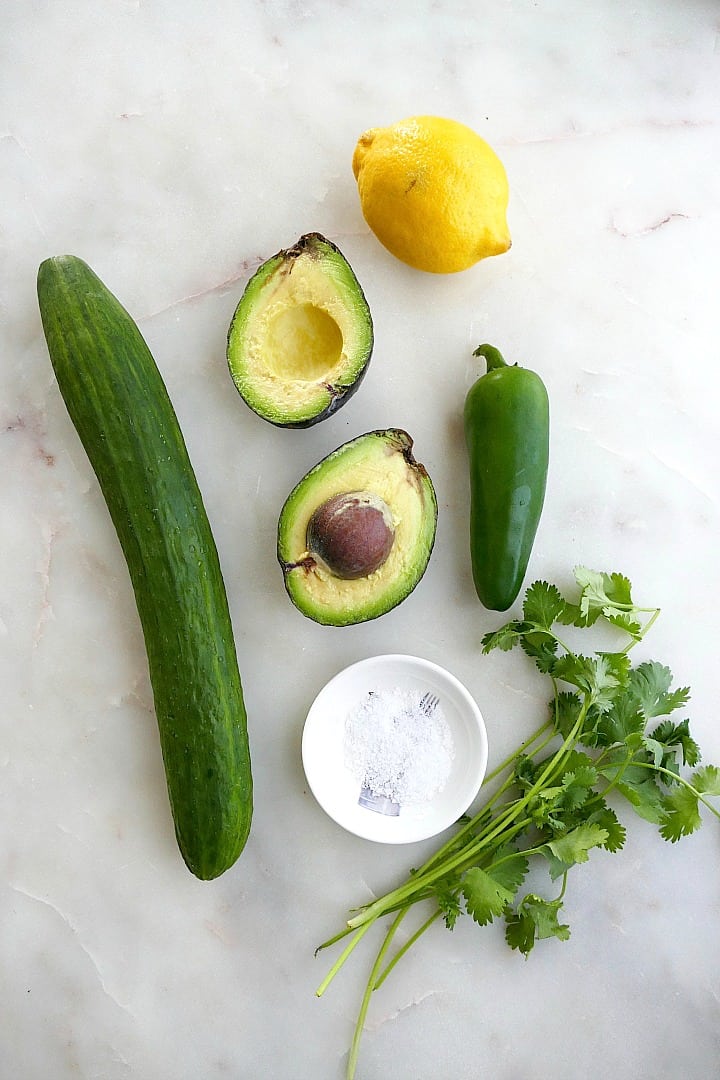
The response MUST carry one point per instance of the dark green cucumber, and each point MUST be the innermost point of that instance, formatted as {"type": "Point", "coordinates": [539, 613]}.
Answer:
{"type": "Point", "coordinates": [507, 431]}
{"type": "Point", "coordinates": [120, 407]}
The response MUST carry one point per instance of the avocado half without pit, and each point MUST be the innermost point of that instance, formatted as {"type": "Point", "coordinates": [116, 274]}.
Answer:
{"type": "Point", "coordinates": [356, 534]}
{"type": "Point", "coordinates": [301, 337]}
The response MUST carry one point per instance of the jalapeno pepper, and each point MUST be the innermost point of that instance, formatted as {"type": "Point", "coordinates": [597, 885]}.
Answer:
{"type": "Point", "coordinates": [507, 425]}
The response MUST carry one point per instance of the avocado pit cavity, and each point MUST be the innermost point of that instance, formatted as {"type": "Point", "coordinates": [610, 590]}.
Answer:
{"type": "Point", "coordinates": [303, 342]}
{"type": "Point", "coordinates": [351, 534]}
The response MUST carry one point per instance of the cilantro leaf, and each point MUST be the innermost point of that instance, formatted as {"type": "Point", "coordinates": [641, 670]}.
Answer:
{"type": "Point", "coordinates": [562, 807]}
{"type": "Point", "coordinates": [591, 674]}
{"type": "Point", "coordinates": [637, 786]}
{"type": "Point", "coordinates": [520, 931]}
{"type": "Point", "coordinates": [565, 709]}
{"type": "Point", "coordinates": [681, 806]}
{"type": "Point", "coordinates": [525, 772]}
{"type": "Point", "coordinates": [650, 684]}
{"type": "Point", "coordinates": [706, 780]}
{"type": "Point", "coordinates": [535, 919]}
{"type": "Point", "coordinates": [510, 869]}
{"type": "Point", "coordinates": [576, 788]}
{"type": "Point", "coordinates": [654, 749]}
{"type": "Point", "coordinates": [542, 648]}
{"type": "Point", "coordinates": [485, 896]}
{"type": "Point", "coordinates": [545, 916]}
{"type": "Point", "coordinates": [580, 771]}
{"type": "Point", "coordinates": [571, 615]}
{"type": "Point", "coordinates": [618, 664]}
{"type": "Point", "coordinates": [618, 589]}
{"type": "Point", "coordinates": [592, 596]}
{"type": "Point", "coordinates": [505, 638]}
{"type": "Point", "coordinates": [677, 738]}
{"type": "Point", "coordinates": [625, 621]}
{"type": "Point", "coordinates": [608, 820]}
{"type": "Point", "coordinates": [449, 904]}
{"type": "Point", "coordinates": [645, 799]}
{"type": "Point", "coordinates": [601, 593]}
{"type": "Point", "coordinates": [620, 721]}
{"type": "Point", "coordinates": [543, 604]}
{"type": "Point", "coordinates": [605, 685]}
{"type": "Point", "coordinates": [542, 809]}
{"type": "Point", "coordinates": [572, 848]}
{"type": "Point", "coordinates": [609, 596]}
{"type": "Point", "coordinates": [576, 670]}
{"type": "Point", "coordinates": [681, 814]}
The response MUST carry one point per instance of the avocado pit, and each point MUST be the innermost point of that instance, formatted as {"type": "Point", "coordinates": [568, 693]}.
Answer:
{"type": "Point", "coordinates": [351, 534]}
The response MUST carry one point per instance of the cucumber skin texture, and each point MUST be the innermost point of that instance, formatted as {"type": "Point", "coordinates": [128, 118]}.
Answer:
{"type": "Point", "coordinates": [119, 405]}
{"type": "Point", "coordinates": [506, 422]}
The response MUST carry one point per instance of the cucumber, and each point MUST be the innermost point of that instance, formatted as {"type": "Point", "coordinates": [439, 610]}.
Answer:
{"type": "Point", "coordinates": [120, 407]}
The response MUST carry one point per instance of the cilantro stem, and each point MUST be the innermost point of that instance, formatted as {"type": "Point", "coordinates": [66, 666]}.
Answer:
{"type": "Point", "coordinates": [525, 852]}
{"type": "Point", "coordinates": [357, 937]}
{"type": "Point", "coordinates": [600, 796]}
{"type": "Point", "coordinates": [371, 983]}
{"type": "Point", "coordinates": [551, 634]}
{"type": "Point", "coordinates": [333, 940]}
{"type": "Point", "coordinates": [643, 631]}
{"type": "Point", "coordinates": [511, 758]}
{"type": "Point", "coordinates": [470, 857]}
{"type": "Point", "coordinates": [408, 945]}
{"type": "Point", "coordinates": [469, 826]}
{"type": "Point", "coordinates": [561, 894]}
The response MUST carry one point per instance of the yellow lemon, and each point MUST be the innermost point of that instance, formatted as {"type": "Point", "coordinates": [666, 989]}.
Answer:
{"type": "Point", "coordinates": [433, 192]}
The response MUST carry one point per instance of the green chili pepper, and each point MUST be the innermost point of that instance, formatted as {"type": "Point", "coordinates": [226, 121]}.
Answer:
{"type": "Point", "coordinates": [507, 426]}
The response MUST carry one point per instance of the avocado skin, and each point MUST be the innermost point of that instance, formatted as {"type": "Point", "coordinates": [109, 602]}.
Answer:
{"type": "Point", "coordinates": [388, 468]}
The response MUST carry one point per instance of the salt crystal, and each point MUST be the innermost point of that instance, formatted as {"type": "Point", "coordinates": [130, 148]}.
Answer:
{"type": "Point", "coordinates": [400, 752]}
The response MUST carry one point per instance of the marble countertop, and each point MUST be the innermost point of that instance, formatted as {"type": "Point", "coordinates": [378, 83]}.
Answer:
{"type": "Point", "coordinates": [175, 146]}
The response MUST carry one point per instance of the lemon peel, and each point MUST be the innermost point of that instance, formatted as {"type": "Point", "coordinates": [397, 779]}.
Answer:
{"type": "Point", "coordinates": [433, 192]}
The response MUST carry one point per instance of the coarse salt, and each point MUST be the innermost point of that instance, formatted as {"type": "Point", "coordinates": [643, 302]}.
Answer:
{"type": "Point", "coordinates": [397, 749]}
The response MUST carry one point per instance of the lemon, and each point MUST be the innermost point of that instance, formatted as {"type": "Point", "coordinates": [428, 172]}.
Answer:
{"type": "Point", "coordinates": [433, 192]}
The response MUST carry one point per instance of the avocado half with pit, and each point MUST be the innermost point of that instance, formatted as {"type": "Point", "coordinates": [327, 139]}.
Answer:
{"type": "Point", "coordinates": [301, 337]}
{"type": "Point", "coordinates": [356, 534]}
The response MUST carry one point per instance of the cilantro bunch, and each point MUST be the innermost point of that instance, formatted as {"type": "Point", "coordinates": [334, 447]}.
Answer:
{"type": "Point", "coordinates": [609, 736]}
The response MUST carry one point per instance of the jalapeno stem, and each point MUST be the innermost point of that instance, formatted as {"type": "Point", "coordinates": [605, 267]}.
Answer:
{"type": "Point", "coordinates": [493, 357]}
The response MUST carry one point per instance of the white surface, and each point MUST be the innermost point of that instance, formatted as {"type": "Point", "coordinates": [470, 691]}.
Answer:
{"type": "Point", "coordinates": [174, 146]}
{"type": "Point", "coordinates": [335, 786]}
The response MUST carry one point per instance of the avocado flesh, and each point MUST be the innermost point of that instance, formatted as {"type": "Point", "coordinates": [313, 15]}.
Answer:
{"type": "Point", "coordinates": [301, 337]}
{"type": "Point", "coordinates": [379, 462]}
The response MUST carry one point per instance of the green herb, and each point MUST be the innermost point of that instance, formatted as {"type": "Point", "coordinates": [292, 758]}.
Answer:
{"type": "Point", "coordinates": [609, 736]}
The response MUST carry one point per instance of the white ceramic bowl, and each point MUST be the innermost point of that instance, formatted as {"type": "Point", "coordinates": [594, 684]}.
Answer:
{"type": "Point", "coordinates": [337, 788]}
